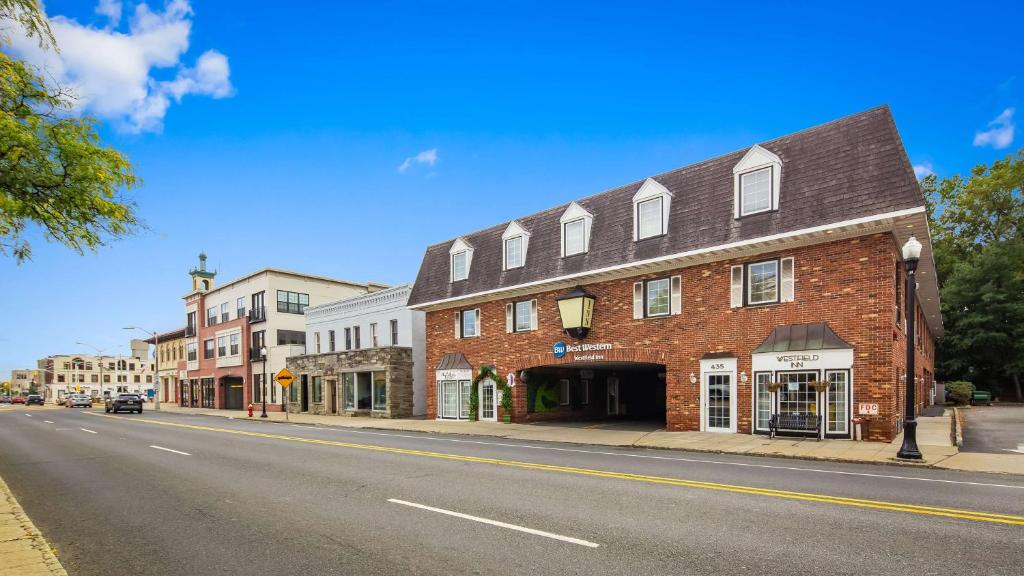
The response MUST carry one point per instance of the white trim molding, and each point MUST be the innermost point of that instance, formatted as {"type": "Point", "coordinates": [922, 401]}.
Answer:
{"type": "Point", "coordinates": [513, 231]}
{"type": "Point", "coordinates": [651, 189]}
{"type": "Point", "coordinates": [573, 213]}
{"type": "Point", "coordinates": [458, 247]}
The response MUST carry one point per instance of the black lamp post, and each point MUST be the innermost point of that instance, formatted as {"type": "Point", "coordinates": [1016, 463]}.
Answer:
{"type": "Point", "coordinates": [911, 256]}
{"type": "Point", "coordinates": [577, 311]}
{"type": "Point", "coordinates": [263, 353]}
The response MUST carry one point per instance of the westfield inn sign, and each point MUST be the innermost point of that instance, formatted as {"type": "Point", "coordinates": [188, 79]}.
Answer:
{"type": "Point", "coordinates": [741, 294]}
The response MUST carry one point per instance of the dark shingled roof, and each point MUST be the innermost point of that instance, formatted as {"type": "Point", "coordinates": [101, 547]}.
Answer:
{"type": "Point", "coordinates": [848, 168]}
{"type": "Point", "coordinates": [800, 337]}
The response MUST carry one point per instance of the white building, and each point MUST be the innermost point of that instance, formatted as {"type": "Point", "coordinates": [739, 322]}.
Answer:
{"type": "Point", "coordinates": [64, 374]}
{"type": "Point", "coordinates": [364, 323]}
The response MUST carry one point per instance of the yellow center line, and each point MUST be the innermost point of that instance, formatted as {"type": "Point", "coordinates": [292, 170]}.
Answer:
{"type": "Point", "coordinates": [753, 490]}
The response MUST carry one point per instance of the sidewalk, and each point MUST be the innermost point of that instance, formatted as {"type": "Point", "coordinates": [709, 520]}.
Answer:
{"type": "Point", "coordinates": [23, 549]}
{"type": "Point", "coordinates": [933, 439]}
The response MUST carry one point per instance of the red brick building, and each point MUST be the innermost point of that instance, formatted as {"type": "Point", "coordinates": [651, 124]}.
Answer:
{"type": "Point", "coordinates": [763, 285]}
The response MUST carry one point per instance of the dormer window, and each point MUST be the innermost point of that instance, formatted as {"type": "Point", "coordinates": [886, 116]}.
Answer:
{"type": "Point", "coordinates": [756, 182]}
{"type": "Point", "coordinates": [515, 242]}
{"type": "Point", "coordinates": [650, 210]}
{"type": "Point", "coordinates": [461, 254]}
{"type": "Point", "coordinates": [576, 222]}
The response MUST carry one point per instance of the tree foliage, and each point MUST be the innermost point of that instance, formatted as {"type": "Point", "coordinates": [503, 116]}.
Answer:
{"type": "Point", "coordinates": [54, 173]}
{"type": "Point", "coordinates": [979, 251]}
{"type": "Point", "coordinates": [28, 16]}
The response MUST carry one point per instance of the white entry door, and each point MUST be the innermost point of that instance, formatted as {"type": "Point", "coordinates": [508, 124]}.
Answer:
{"type": "Point", "coordinates": [719, 396]}
{"type": "Point", "coordinates": [488, 406]}
{"type": "Point", "coordinates": [613, 396]}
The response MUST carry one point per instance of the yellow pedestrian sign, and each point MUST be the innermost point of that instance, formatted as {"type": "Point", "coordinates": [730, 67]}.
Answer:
{"type": "Point", "coordinates": [284, 378]}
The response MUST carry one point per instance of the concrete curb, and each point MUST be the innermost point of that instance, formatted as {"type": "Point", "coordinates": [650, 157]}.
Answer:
{"type": "Point", "coordinates": [695, 449]}
{"type": "Point", "coordinates": [32, 540]}
{"type": "Point", "coordinates": [958, 428]}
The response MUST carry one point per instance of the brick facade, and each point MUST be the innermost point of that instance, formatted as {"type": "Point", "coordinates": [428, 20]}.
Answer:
{"type": "Point", "coordinates": [847, 283]}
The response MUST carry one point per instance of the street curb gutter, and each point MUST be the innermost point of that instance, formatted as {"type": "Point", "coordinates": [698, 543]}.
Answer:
{"type": "Point", "coordinates": [32, 540]}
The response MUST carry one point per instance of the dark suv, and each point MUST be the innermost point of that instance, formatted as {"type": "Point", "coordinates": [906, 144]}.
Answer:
{"type": "Point", "coordinates": [129, 402]}
{"type": "Point", "coordinates": [34, 399]}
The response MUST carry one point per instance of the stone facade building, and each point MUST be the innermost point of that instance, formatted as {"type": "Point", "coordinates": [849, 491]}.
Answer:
{"type": "Point", "coordinates": [719, 297]}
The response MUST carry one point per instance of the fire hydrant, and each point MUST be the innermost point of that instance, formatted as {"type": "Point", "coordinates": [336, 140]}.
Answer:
{"type": "Point", "coordinates": [250, 409]}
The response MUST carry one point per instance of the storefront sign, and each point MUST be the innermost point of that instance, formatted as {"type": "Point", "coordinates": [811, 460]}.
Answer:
{"type": "Point", "coordinates": [454, 375]}
{"type": "Point", "coordinates": [867, 409]}
{"type": "Point", "coordinates": [560, 348]}
{"type": "Point", "coordinates": [837, 359]}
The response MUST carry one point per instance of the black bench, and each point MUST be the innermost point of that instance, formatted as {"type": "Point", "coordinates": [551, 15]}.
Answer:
{"type": "Point", "coordinates": [804, 423]}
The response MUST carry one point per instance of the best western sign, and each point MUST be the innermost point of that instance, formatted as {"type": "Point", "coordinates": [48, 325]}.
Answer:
{"type": "Point", "coordinates": [560, 349]}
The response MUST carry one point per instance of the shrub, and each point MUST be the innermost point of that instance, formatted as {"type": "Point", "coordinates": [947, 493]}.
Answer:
{"type": "Point", "coordinates": [960, 392]}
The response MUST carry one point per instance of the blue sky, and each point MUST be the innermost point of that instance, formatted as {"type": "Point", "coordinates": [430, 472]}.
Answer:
{"type": "Point", "coordinates": [287, 153]}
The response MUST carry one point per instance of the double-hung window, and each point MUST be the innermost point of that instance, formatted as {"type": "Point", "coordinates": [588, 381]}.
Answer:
{"type": "Point", "coordinates": [373, 335]}
{"type": "Point", "coordinates": [192, 354]}
{"type": "Point", "coordinates": [207, 349]}
{"type": "Point", "coordinates": [240, 307]}
{"type": "Point", "coordinates": [211, 316]}
{"type": "Point", "coordinates": [469, 323]}
{"type": "Point", "coordinates": [235, 340]}
{"type": "Point", "coordinates": [222, 346]}
{"type": "Point", "coordinates": [650, 218]}
{"type": "Point", "coordinates": [348, 338]}
{"type": "Point", "coordinates": [574, 237]}
{"type": "Point", "coordinates": [394, 332]}
{"type": "Point", "coordinates": [316, 340]}
{"type": "Point", "coordinates": [763, 282]}
{"type": "Point", "coordinates": [521, 316]}
{"type": "Point", "coordinates": [756, 191]}
{"type": "Point", "coordinates": [330, 340]}
{"type": "Point", "coordinates": [460, 270]}
{"type": "Point", "coordinates": [355, 337]}
{"type": "Point", "coordinates": [514, 252]}
{"type": "Point", "coordinates": [656, 297]}
{"type": "Point", "coordinates": [224, 316]}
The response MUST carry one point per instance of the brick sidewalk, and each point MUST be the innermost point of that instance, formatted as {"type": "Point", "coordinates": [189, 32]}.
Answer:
{"type": "Point", "coordinates": [934, 439]}
{"type": "Point", "coordinates": [23, 549]}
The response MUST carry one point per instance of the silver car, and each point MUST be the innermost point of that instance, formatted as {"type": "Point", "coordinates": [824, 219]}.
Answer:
{"type": "Point", "coordinates": [78, 400]}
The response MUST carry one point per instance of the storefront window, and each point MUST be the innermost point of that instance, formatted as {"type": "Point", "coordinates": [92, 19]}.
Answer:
{"type": "Point", "coordinates": [797, 396]}
{"type": "Point", "coordinates": [318, 389]}
{"type": "Point", "coordinates": [293, 393]}
{"type": "Point", "coordinates": [464, 400]}
{"type": "Point", "coordinates": [838, 392]}
{"type": "Point", "coordinates": [380, 391]}
{"type": "Point", "coordinates": [363, 391]}
{"type": "Point", "coordinates": [348, 390]}
{"type": "Point", "coordinates": [763, 399]}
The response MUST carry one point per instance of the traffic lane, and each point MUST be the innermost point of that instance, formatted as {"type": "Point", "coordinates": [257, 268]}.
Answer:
{"type": "Point", "coordinates": [983, 492]}
{"type": "Point", "coordinates": [997, 429]}
{"type": "Point", "coordinates": [655, 526]}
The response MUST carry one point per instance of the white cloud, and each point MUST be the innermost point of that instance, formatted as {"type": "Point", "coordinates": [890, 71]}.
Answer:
{"type": "Point", "coordinates": [1000, 132]}
{"type": "Point", "coordinates": [923, 169]}
{"type": "Point", "coordinates": [111, 71]}
{"type": "Point", "coordinates": [428, 157]}
{"type": "Point", "coordinates": [111, 9]}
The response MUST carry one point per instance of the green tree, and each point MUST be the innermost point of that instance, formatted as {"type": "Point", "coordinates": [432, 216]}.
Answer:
{"type": "Point", "coordinates": [54, 173]}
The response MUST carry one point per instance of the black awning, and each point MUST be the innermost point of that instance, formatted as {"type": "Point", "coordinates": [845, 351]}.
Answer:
{"type": "Point", "coordinates": [454, 361]}
{"type": "Point", "coordinates": [800, 337]}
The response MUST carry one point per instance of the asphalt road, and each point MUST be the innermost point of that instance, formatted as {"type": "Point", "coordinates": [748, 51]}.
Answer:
{"type": "Point", "coordinates": [244, 497]}
{"type": "Point", "coordinates": [997, 429]}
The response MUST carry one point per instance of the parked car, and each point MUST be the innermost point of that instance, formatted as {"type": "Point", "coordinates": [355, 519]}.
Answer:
{"type": "Point", "coordinates": [18, 400]}
{"type": "Point", "coordinates": [34, 399]}
{"type": "Point", "coordinates": [78, 400]}
{"type": "Point", "coordinates": [129, 402]}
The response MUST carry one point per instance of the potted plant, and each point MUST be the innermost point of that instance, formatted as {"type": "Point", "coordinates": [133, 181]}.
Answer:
{"type": "Point", "coordinates": [819, 385]}
{"type": "Point", "coordinates": [774, 386]}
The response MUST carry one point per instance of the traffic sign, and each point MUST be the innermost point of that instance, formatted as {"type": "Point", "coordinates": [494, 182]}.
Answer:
{"type": "Point", "coordinates": [284, 378]}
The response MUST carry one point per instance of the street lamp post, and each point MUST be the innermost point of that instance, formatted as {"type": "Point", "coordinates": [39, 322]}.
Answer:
{"type": "Point", "coordinates": [909, 450]}
{"type": "Point", "coordinates": [156, 364]}
{"type": "Point", "coordinates": [263, 381]}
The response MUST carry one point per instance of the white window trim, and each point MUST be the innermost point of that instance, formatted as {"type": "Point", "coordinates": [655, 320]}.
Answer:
{"type": "Point", "coordinates": [573, 213]}
{"type": "Point", "coordinates": [458, 247]}
{"type": "Point", "coordinates": [647, 301]}
{"type": "Point", "coordinates": [757, 158]}
{"type": "Point", "coordinates": [512, 317]}
{"type": "Point", "coordinates": [650, 190]}
{"type": "Point", "coordinates": [514, 230]}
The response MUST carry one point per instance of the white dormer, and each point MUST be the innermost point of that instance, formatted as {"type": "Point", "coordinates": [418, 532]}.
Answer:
{"type": "Point", "coordinates": [575, 223]}
{"type": "Point", "coordinates": [460, 259]}
{"type": "Point", "coordinates": [651, 205]}
{"type": "Point", "coordinates": [756, 181]}
{"type": "Point", "coordinates": [514, 243]}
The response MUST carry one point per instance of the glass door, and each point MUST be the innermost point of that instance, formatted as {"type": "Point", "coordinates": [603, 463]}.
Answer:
{"type": "Point", "coordinates": [449, 399]}
{"type": "Point", "coordinates": [837, 400]}
{"type": "Point", "coordinates": [487, 408]}
{"type": "Point", "coordinates": [718, 407]}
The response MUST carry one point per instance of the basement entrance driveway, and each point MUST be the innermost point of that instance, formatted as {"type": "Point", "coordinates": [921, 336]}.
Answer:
{"type": "Point", "coordinates": [995, 429]}
{"type": "Point", "coordinates": [608, 395]}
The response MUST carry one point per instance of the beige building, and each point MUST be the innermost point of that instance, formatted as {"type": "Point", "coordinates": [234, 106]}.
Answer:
{"type": "Point", "coordinates": [21, 381]}
{"type": "Point", "coordinates": [96, 375]}
{"type": "Point", "coordinates": [170, 357]}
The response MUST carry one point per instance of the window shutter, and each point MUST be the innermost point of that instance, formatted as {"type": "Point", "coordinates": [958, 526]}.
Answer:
{"type": "Point", "coordinates": [677, 294]}
{"type": "Point", "coordinates": [479, 324]}
{"type": "Point", "coordinates": [509, 327]}
{"type": "Point", "coordinates": [458, 321]}
{"type": "Point", "coordinates": [533, 314]}
{"type": "Point", "coordinates": [787, 280]}
{"type": "Point", "coordinates": [638, 300]}
{"type": "Point", "coordinates": [737, 287]}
